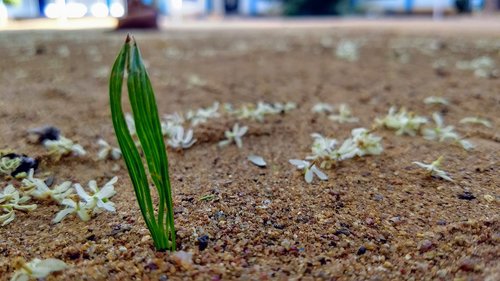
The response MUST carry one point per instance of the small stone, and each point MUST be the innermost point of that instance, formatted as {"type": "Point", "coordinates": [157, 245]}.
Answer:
{"type": "Point", "coordinates": [286, 244]}
{"type": "Point", "coordinates": [489, 198]}
{"type": "Point", "coordinates": [468, 264]}
{"type": "Point", "coordinates": [343, 231]}
{"type": "Point", "coordinates": [442, 273]}
{"type": "Point", "coordinates": [151, 265]}
{"type": "Point", "coordinates": [145, 238]}
{"type": "Point", "coordinates": [467, 195]}
{"type": "Point", "coordinates": [441, 222]}
{"type": "Point", "coordinates": [203, 242]}
{"type": "Point", "coordinates": [122, 249]}
{"type": "Point", "coordinates": [425, 246]}
{"type": "Point", "coordinates": [361, 251]}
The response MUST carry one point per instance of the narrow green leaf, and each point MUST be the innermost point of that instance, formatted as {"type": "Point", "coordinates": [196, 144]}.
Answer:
{"type": "Point", "coordinates": [148, 128]}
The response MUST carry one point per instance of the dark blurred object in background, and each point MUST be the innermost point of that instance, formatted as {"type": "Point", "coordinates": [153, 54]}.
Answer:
{"type": "Point", "coordinates": [311, 7]}
{"type": "Point", "coordinates": [139, 16]}
{"type": "Point", "coordinates": [463, 6]}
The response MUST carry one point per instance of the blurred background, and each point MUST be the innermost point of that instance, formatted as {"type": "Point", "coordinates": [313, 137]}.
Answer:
{"type": "Point", "coordinates": [142, 10]}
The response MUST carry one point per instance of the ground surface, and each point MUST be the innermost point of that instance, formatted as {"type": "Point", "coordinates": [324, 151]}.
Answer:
{"type": "Point", "coordinates": [265, 224]}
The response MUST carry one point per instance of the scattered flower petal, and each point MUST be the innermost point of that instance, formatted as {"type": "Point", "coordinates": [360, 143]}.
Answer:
{"type": "Point", "coordinates": [257, 160]}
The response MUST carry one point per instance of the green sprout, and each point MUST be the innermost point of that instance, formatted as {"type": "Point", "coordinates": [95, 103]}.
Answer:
{"type": "Point", "coordinates": [142, 100]}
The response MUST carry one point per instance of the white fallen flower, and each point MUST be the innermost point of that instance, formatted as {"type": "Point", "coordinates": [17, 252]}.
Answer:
{"type": "Point", "coordinates": [483, 67]}
{"type": "Point", "coordinates": [433, 169]}
{"type": "Point", "coordinates": [402, 122]}
{"type": "Point", "coordinates": [107, 151]}
{"type": "Point", "coordinates": [467, 145]}
{"type": "Point", "coordinates": [285, 108]}
{"type": "Point", "coordinates": [58, 193]}
{"type": "Point", "coordinates": [259, 111]}
{"type": "Point", "coordinates": [257, 160]}
{"type": "Point", "coordinates": [440, 132]}
{"type": "Point", "coordinates": [436, 100]}
{"type": "Point", "coordinates": [174, 119]}
{"type": "Point", "coordinates": [7, 215]}
{"type": "Point", "coordinates": [8, 193]}
{"type": "Point", "coordinates": [347, 150]}
{"type": "Point", "coordinates": [63, 146]}
{"type": "Point", "coordinates": [180, 140]}
{"type": "Point", "coordinates": [234, 136]}
{"type": "Point", "coordinates": [100, 197]}
{"type": "Point", "coordinates": [476, 120]}
{"type": "Point", "coordinates": [308, 170]}
{"type": "Point", "coordinates": [347, 50]}
{"type": "Point", "coordinates": [11, 200]}
{"type": "Point", "coordinates": [36, 269]}
{"type": "Point", "coordinates": [443, 133]}
{"type": "Point", "coordinates": [322, 147]}
{"type": "Point", "coordinates": [203, 114]}
{"type": "Point", "coordinates": [344, 116]}
{"type": "Point", "coordinates": [322, 107]}
{"type": "Point", "coordinates": [73, 206]}
{"type": "Point", "coordinates": [39, 189]}
{"type": "Point", "coordinates": [9, 165]}
{"type": "Point", "coordinates": [366, 142]}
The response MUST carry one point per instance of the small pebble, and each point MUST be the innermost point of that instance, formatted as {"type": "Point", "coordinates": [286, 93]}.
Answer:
{"type": "Point", "coordinates": [122, 249]}
{"type": "Point", "coordinates": [151, 266]}
{"type": "Point", "coordinates": [203, 242]}
{"type": "Point", "coordinates": [361, 251]}
{"type": "Point", "coordinates": [467, 195]}
{"type": "Point", "coordinates": [425, 246]}
{"type": "Point", "coordinates": [468, 264]}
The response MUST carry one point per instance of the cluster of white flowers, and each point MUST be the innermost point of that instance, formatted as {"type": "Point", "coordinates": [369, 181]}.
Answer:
{"type": "Point", "coordinates": [172, 126]}
{"type": "Point", "coordinates": [347, 50]}
{"type": "Point", "coordinates": [361, 143]}
{"type": "Point", "coordinates": [38, 189]}
{"type": "Point", "coordinates": [259, 111]}
{"type": "Point", "coordinates": [63, 146]}
{"type": "Point", "coordinates": [36, 269]}
{"type": "Point", "coordinates": [402, 122]}
{"type": "Point", "coordinates": [443, 133]}
{"type": "Point", "coordinates": [202, 115]}
{"type": "Point", "coordinates": [99, 200]}
{"type": "Point", "coordinates": [324, 151]}
{"type": "Point", "coordinates": [344, 115]}
{"type": "Point", "coordinates": [81, 203]}
{"type": "Point", "coordinates": [10, 201]}
{"type": "Point", "coordinates": [483, 67]}
{"type": "Point", "coordinates": [433, 169]}
{"type": "Point", "coordinates": [106, 151]}
{"type": "Point", "coordinates": [234, 136]}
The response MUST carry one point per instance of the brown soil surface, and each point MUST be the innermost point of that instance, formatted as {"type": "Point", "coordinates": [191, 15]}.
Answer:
{"type": "Point", "coordinates": [265, 224]}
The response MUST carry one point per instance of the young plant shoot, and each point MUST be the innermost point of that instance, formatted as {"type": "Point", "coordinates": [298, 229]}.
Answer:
{"type": "Point", "coordinates": [147, 125]}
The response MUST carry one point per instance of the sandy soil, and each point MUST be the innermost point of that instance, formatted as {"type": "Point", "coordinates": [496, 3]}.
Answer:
{"type": "Point", "coordinates": [265, 224]}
